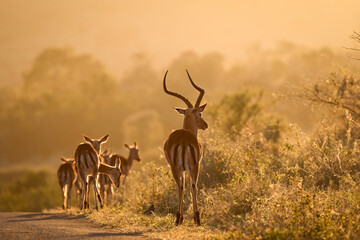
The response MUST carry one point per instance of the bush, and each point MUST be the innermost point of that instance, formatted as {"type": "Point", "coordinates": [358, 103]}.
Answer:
{"type": "Point", "coordinates": [29, 191]}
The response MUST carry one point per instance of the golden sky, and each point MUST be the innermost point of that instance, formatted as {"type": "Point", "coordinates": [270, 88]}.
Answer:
{"type": "Point", "coordinates": [113, 31]}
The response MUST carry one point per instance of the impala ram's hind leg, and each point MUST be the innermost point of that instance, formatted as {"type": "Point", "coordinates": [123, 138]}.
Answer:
{"type": "Point", "coordinates": [179, 177]}
{"type": "Point", "coordinates": [180, 180]}
{"type": "Point", "coordinates": [194, 178]}
{"type": "Point", "coordinates": [195, 206]}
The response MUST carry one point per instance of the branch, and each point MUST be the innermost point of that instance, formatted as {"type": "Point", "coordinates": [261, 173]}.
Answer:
{"type": "Point", "coordinates": [317, 99]}
{"type": "Point", "coordinates": [354, 58]}
{"type": "Point", "coordinates": [353, 49]}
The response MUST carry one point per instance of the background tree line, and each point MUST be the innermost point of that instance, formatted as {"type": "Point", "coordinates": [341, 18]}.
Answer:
{"type": "Point", "coordinates": [281, 155]}
{"type": "Point", "coordinates": [66, 93]}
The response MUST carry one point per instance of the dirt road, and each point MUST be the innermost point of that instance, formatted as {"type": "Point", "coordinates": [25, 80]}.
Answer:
{"type": "Point", "coordinates": [15, 225]}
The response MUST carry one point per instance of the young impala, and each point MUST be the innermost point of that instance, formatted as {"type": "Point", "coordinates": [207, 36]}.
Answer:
{"type": "Point", "coordinates": [126, 163]}
{"type": "Point", "coordinates": [183, 150]}
{"type": "Point", "coordinates": [67, 177]}
{"type": "Point", "coordinates": [89, 166]}
{"type": "Point", "coordinates": [106, 186]}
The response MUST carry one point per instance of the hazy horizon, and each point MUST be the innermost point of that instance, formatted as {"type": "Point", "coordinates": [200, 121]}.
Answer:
{"type": "Point", "coordinates": [114, 31]}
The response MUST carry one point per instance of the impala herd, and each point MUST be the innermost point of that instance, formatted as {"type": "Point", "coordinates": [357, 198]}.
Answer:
{"type": "Point", "coordinates": [90, 164]}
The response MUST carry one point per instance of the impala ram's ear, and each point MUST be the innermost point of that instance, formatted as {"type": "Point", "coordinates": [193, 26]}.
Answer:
{"type": "Point", "coordinates": [180, 110]}
{"type": "Point", "coordinates": [104, 138]}
{"type": "Point", "coordinates": [201, 108]}
{"type": "Point", "coordinates": [63, 159]}
{"type": "Point", "coordinates": [127, 146]}
{"type": "Point", "coordinates": [87, 138]}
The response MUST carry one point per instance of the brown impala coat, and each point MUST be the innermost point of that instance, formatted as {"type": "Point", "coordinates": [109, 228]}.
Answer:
{"type": "Point", "coordinates": [67, 177]}
{"type": "Point", "coordinates": [89, 166]}
{"type": "Point", "coordinates": [126, 163]}
{"type": "Point", "coordinates": [105, 184]}
{"type": "Point", "coordinates": [183, 150]}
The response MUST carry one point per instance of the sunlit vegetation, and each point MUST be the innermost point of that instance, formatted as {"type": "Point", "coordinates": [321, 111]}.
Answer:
{"type": "Point", "coordinates": [281, 155]}
{"type": "Point", "coordinates": [28, 190]}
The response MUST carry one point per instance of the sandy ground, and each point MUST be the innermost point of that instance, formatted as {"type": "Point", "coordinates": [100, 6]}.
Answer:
{"type": "Point", "coordinates": [26, 225]}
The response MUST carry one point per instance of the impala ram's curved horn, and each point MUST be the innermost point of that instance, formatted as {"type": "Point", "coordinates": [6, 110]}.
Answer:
{"type": "Point", "coordinates": [202, 91]}
{"type": "Point", "coordinates": [187, 102]}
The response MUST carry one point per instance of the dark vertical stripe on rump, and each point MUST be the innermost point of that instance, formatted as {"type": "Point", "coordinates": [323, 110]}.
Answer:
{"type": "Point", "coordinates": [72, 174]}
{"type": "Point", "coordinates": [85, 159]}
{"type": "Point", "coordinates": [192, 151]}
{"type": "Point", "coordinates": [175, 153]}
{"type": "Point", "coordinates": [183, 155]}
{"type": "Point", "coordinates": [93, 159]}
{"type": "Point", "coordinates": [79, 163]}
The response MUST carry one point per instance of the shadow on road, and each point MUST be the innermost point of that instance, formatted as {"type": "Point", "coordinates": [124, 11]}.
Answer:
{"type": "Point", "coordinates": [44, 216]}
{"type": "Point", "coordinates": [107, 234]}
{"type": "Point", "coordinates": [60, 226]}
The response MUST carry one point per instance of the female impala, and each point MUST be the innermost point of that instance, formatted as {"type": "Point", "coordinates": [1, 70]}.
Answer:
{"type": "Point", "coordinates": [89, 166]}
{"type": "Point", "coordinates": [106, 186]}
{"type": "Point", "coordinates": [126, 163]}
{"type": "Point", "coordinates": [67, 177]}
{"type": "Point", "coordinates": [183, 150]}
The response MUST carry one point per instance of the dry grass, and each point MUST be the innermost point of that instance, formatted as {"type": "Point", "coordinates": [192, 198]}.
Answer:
{"type": "Point", "coordinates": [253, 183]}
{"type": "Point", "coordinates": [305, 188]}
{"type": "Point", "coordinates": [161, 227]}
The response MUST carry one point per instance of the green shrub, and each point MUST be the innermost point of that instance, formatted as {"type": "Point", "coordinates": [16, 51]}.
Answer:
{"type": "Point", "coordinates": [30, 191]}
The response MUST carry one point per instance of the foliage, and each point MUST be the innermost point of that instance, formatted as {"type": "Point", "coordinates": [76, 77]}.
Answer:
{"type": "Point", "coordinates": [339, 90]}
{"type": "Point", "coordinates": [24, 190]}
{"type": "Point", "coordinates": [262, 176]}
{"type": "Point", "coordinates": [306, 190]}
{"type": "Point", "coordinates": [235, 111]}
{"type": "Point", "coordinates": [65, 94]}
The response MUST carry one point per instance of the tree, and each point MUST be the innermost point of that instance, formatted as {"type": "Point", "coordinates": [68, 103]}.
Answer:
{"type": "Point", "coordinates": [355, 36]}
{"type": "Point", "coordinates": [64, 94]}
{"type": "Point", "coordinates": [339, 91]}
{"type": "Point", "coordinates": [236, 111]}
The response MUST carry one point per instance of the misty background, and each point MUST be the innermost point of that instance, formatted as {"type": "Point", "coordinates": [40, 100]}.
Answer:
{"type": "Point", "coordinates": [115, 31]}
{"type": "Point", "coordinates": [96, 68]}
